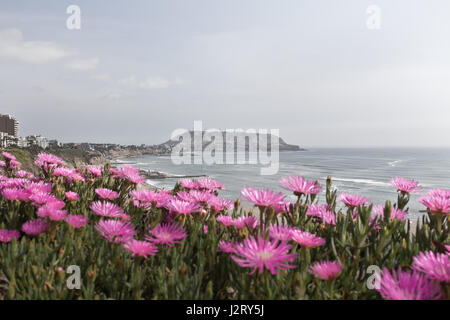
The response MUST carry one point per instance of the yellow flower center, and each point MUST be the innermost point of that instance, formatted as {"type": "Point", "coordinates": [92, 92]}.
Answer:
{"type": "Point", "coordinates": [264, 255]}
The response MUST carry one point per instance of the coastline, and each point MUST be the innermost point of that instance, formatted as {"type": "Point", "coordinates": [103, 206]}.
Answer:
{"type": "Point", "coordinates": [77, 157]}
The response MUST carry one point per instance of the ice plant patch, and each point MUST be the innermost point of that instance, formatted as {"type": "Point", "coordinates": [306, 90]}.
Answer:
{"type": "Point", "coordinates": [138, 242]}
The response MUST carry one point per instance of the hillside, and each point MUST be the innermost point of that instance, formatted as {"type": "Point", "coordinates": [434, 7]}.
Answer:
{"type": "Point", "coordinates": [73, 156]}
{"type": "Point", "coordinates": [230, 144]}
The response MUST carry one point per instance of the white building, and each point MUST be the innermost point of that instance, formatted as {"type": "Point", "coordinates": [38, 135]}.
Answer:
{"type": "Point", "coordinates": [22, 142]}
{"type": "Point", "coordinates": [7, 140]}
{"type": "Point", "coordinates": [38, 141]}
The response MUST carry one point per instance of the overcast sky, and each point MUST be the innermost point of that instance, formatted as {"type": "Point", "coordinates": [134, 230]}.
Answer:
{"type": "Point", "coordinates": [137, 70]}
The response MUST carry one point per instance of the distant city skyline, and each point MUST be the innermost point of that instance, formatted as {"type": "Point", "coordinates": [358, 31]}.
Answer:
{"type": "Point", "coordinates": [312, 69]}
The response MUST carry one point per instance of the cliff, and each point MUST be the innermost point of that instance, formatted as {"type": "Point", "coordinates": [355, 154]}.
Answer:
{"type": "Point", "coordinates": [73, 156]}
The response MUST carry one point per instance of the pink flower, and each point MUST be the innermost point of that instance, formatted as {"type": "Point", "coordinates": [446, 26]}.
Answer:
{"type": "Point", "coordinates": [183, 207]}
{"type": "Point", "coordinates": [41, 198]}
{"type": "Point", "coordinates": [7, 235]}
{"type": "Point", "coordinates": [263, 198]}
{"type": "Point", "coordinates": [95, 171]}
{"type": "Point", "coordinates": [76, 221]}
{"type": "Point", "coordinates": [163, 198]}
{"type": "Point", "coordinates": [2, 163]}
{"type": "Point", "coordinates": [398, 214]}
{"type": "Point", "coordinates": [116, 230]}
{"type": "Point", "coordinates": [40, 186]}
{"type": "Point", "coordinates": [442, 193]}
{"type": "Point", "coordinates": [407, 286]}
{"type": "Point", "coordinates": [280, 233]}
{"type": "Point", "coordinates": [404, 185]}
{"type": "Point", "coordinates": [188, 183]}
{"type": "Point", "coordinates": [239, 223]}
{"type": "Point", "coordinates": [207, 183]}
{"type": "Point", "coordinates": [326, 270]}
{"type": "Point", "coordinates": [8, 155]}
{"type": "Point", "coordinates": [114, 172]}
{"type": "Point", "coordinates": [435, 265]}
{"type": "Point", "coordinates": [72, 196]}
{"type": "Point", "coordinates": [14, 164]}
{"type": "Point", "coordinates": [195, 196]}
{"type": "Point", "coordinates": [76, 177]}
{"type": "Point", "coordinates": [140, 196]}
{"type": "Point", "coordinates": [13, 183]}
{"type": "Point", "coordinates": [24, 174]}
{"type": "Point", "coordinates": [63, 172]}
{"type": "Point", "coordinates": [15, 194]}
{"type": "Point", "coordinates": [395, 213]}
{"type": "Point", "coordinates": [167, 234]}
{"type": "Point", "coordinates": [35, 227]}
{"type": "Point", "coordinates": [56, 203]}
{"type": "Point", "coordinates": [57, 215]}
{"type": "Point", "coordinates": [260, 254]}
{"type": "Point", "coordinates": [141, 248]}
{"type": "Point", "coordinates": [106, 209]}
{"type": "Point", "coordinates": [227, 221]}
{"type": "Point", "coordinates": [281, 207]}
{"type": "Point", "coordinates": [218, 204]}
{"type": "Point", "coordinates": [354, 200]}
{"type": "Point", "coordinates": [45, 159]}
{"type": "Point", "coordinates": [226, 246]}
{"type": "Point", "coordinates": [106, 193]}
{"type": "Point", "coordinates": [316, 210]}
{"type": "Point", "coordinates": [322, 213]}
{"type": "Point", "coordinates": [131, 174]}
{"type": "Point", "coordinates": [437, 201]}
{"type": "Point", "coordinates": [52, 212]}
{"type": "Point", "coordinates": [306, 239]}
{"type": "Point", "coordinates": [145, 197]}
{"type": "Point", "coordinates": [242, 222]}
{"type": "Point", "coordinates": [300, 186]}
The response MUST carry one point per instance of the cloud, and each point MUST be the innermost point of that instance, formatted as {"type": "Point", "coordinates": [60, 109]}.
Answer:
{"type": "Point", "coordinates": [13, 47]}
{"type": "Point", "coordinates": [101, 77]}
{"type": "Point", "coordinates": [83, 64]}
{"type": "Point", "coordinates": [113, 96]}
{"type": "Point", "coordinates": [150, 82]}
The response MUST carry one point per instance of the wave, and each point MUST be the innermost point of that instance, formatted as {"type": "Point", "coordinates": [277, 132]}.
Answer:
{"type": "Point", "coordinates": [159, 184]}
{"type": "Point", "coordinates": [167, 174]}
{"type": "Point", "coordinates": [152, 183]}
{"type": "Point", "coordinates": [394, 163]}
{"type": "Point", "coordinates": [365, 181]}
{"type": "Point", "coordinates": [120, 161]}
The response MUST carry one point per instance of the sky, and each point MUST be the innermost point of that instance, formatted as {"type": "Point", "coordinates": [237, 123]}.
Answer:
{"type": "Point", "coordinates": [138, 70]}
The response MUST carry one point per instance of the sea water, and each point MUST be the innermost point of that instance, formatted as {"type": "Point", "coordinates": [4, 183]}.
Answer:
{"type": "Point", "coordinates": [364, 171]}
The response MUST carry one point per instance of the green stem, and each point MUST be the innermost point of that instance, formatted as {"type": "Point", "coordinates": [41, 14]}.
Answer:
{"type": "Point", "coordinates": [331, 289]}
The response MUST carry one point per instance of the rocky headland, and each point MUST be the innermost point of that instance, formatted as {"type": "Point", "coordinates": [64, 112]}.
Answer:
{"type": "Point", "coordinates": [82, 154]}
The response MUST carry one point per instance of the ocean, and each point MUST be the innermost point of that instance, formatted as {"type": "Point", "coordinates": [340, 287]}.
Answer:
{"type": "Point", "coordinates": [365, 171]}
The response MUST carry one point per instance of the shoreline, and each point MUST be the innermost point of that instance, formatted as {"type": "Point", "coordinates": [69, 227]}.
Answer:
{"type": "Point", "coordinates": [77, 158]}
{"type": "Point", "coordinates": [159, 176]}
